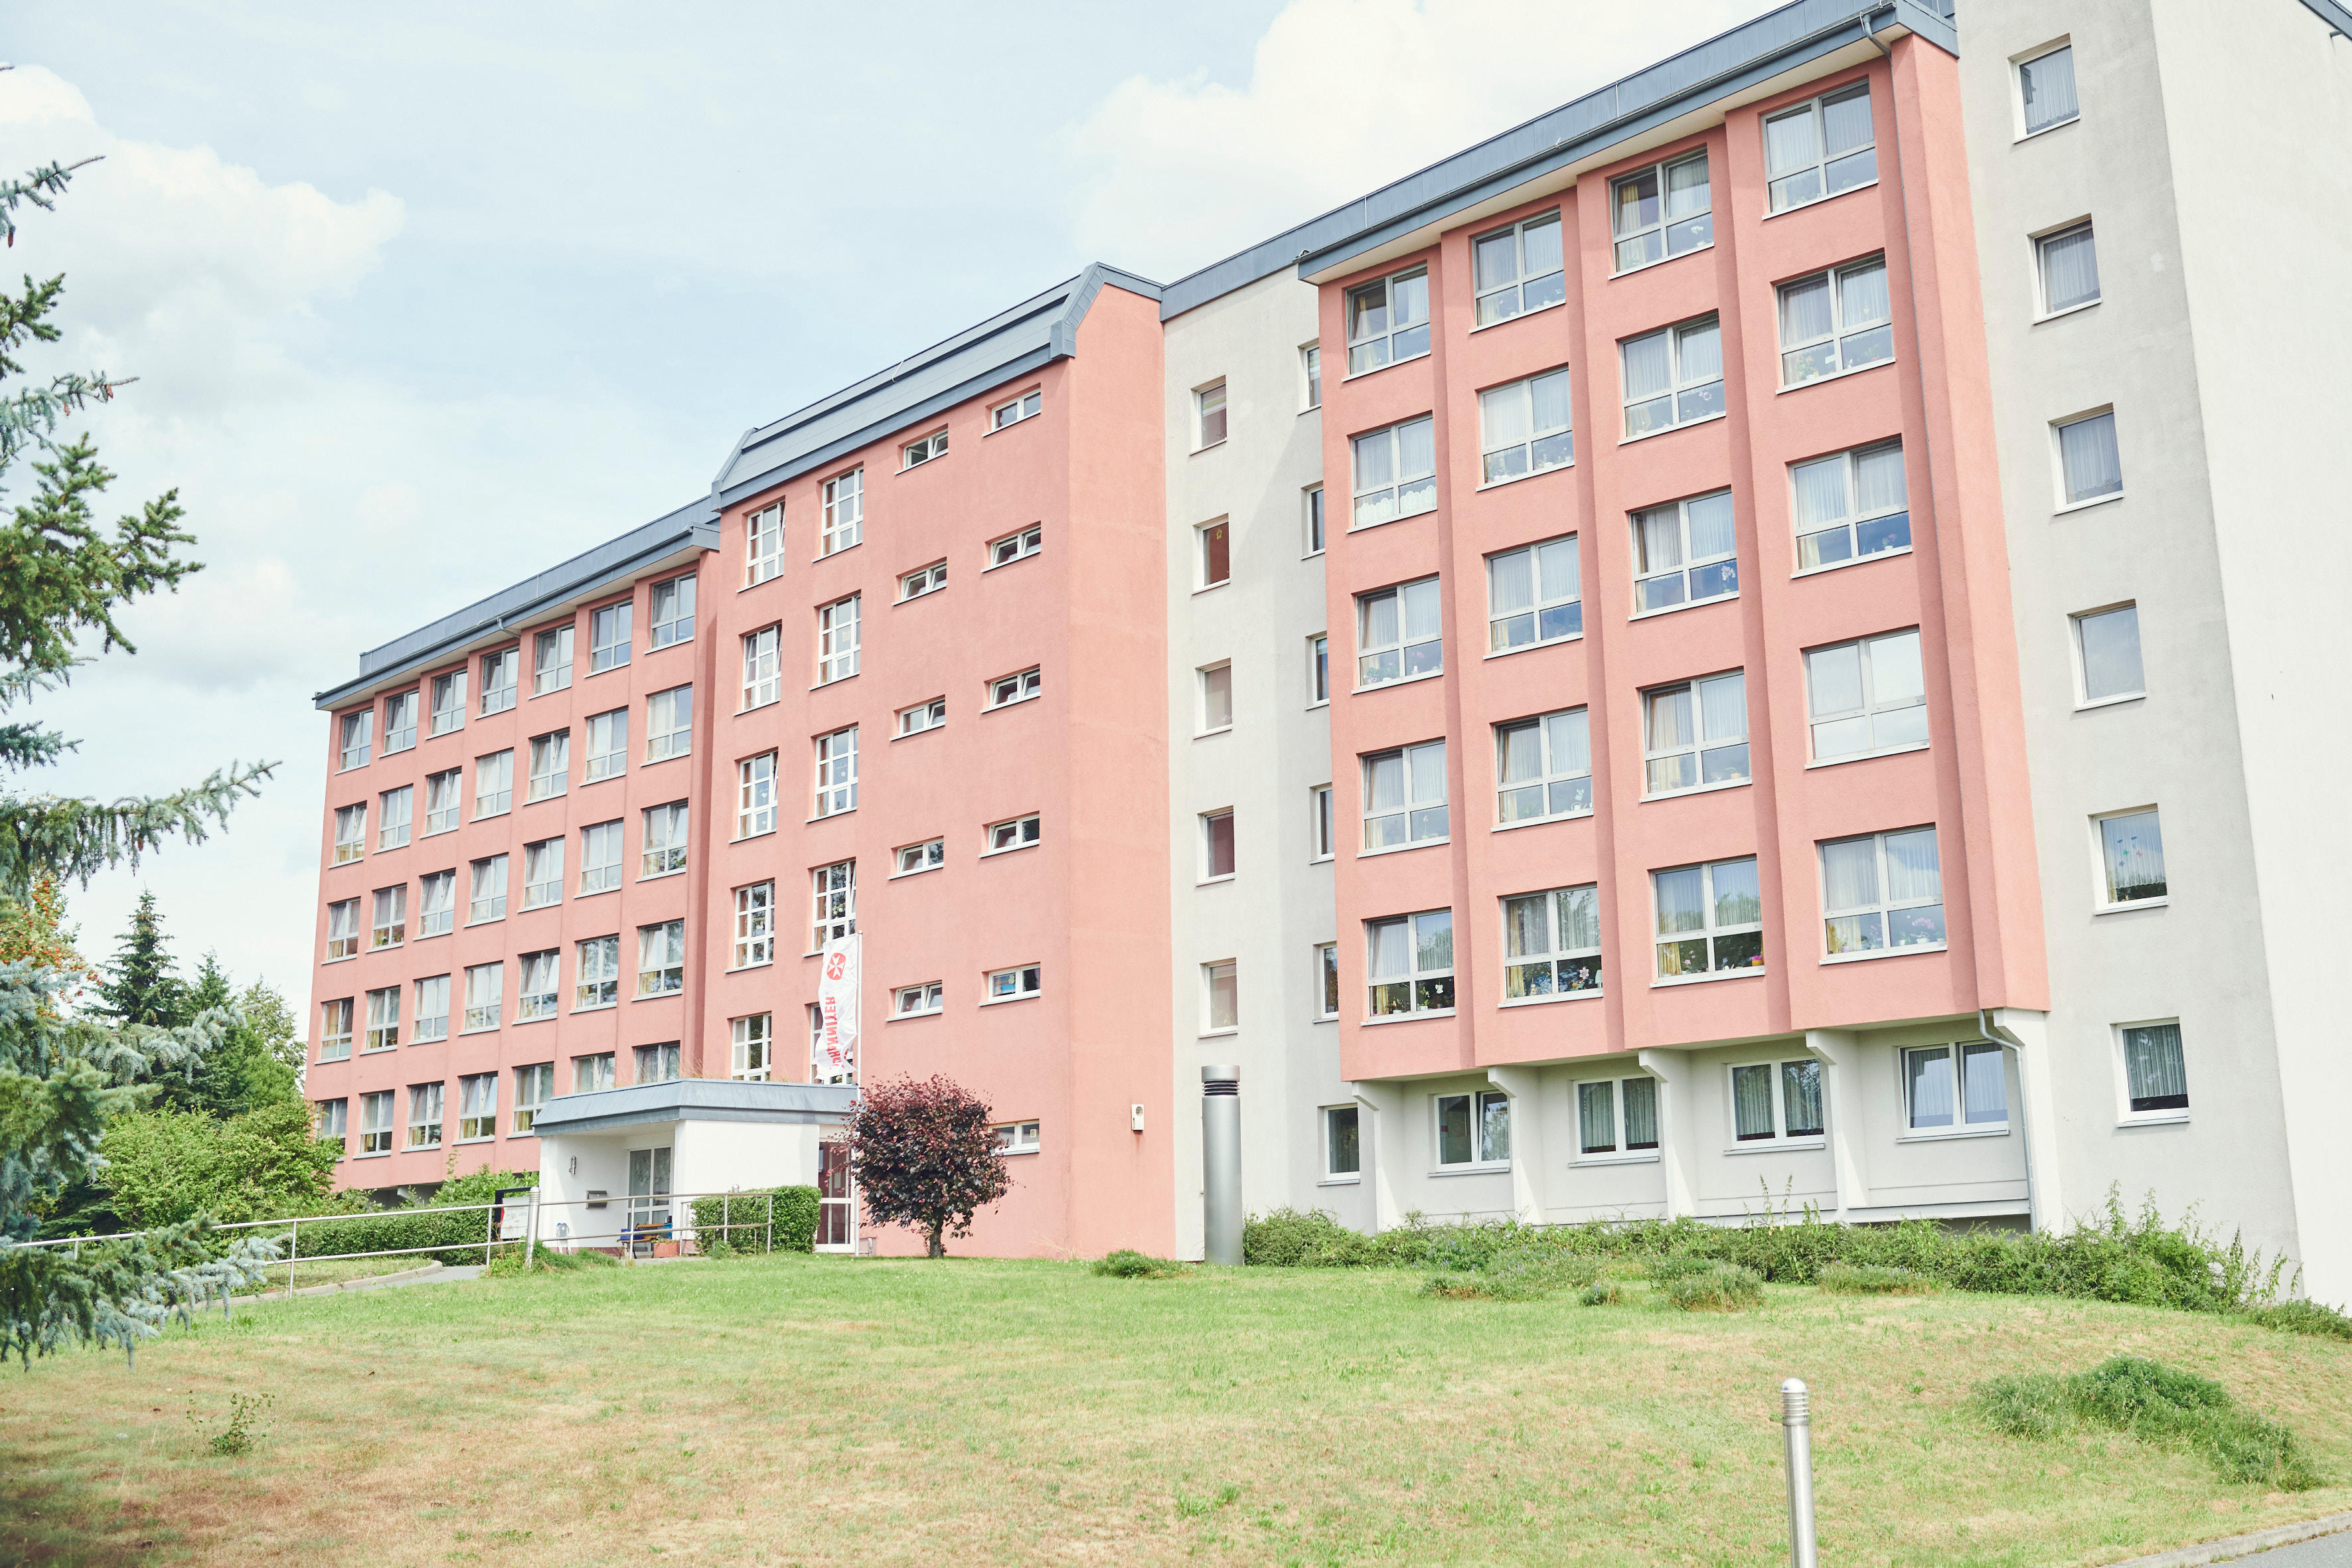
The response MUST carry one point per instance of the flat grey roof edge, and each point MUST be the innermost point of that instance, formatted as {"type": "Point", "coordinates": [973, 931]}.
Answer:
{"type": "Point", "coordinates": [2337, 16]}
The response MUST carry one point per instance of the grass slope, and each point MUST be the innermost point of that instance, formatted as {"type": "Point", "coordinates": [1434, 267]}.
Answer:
{"type": "Point", "coordinates": [821, 1411]}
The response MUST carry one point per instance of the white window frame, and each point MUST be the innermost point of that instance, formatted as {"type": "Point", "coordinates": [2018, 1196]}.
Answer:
{"type": "Point", "coordinates": [350, 833]}
{"type": "Point", "coordinates": [751, 1048]}
{"type": "Point", "coordinates": [833, 902]}
{"type": "Point", "coordinates": [1870, 652]}
{"type": "Point", "coordinates": [1401, 494]}
{"type": "Point", "coordinates": [1393, 341]}
{"type": "Point", "coordinates": [375, 1124]}
{"type": "Point", "coordinates": [923, 449]}
{"type": "Point", "coordinates": [610, 631]}
{"type": "Point", "coordinates": [667, 631]}
{"type": "Point", "coordinates": [1015, 1138]}
{"type": "Point", "coordinates": [661, 959]}
{"type": "Point", "coordinates": [335, 1030]}
{"type": "Point", "coordinates": [431, 1020]}
{"type": "Point", "coordinates": [1915, 912]}
{"type": "Point", "coordinates": [755, 926]}
{"type": "Point", "coordinates": [1708, 754]}
{"type": "Point", "coordinates": [2025, 129]}
{"type": "Point", "coordinates": [2083, 697]}
{"type": "Point", "coordinates": [659, 1063]}
{"type": "Point", "coordinates": [2125, 1114]}
{"type": "Point", "coordinates": [1014, 411]}
{"type": "Point", "coordinates": [677, 740]}
{"type": "Point", "coordinates": [543, 873]}
{"type": "Point", "coordinates": [914, 860]}
{"type": "Point", "coordinates": [543, 1001]}
{"type": "Point", "coordinates": [388, 917]}
{"type": "Point", "coordinates": [343, 929]}
{"type": "Point", "coordinates": [1422, 927]}
{"type": "Point", "coordinates": [1020, 982]}
{"type": "Point", "coordinates": [2103, 882]}
{"type": "Point", "coordinates": [2058, 428]}
{"type": "Point", "coordinates": [449, 786]}
{"type": "Point", "coordinates": [1412, 806]}
{"type": "Point", "coordinates": [354, 740]}
{"type": "Point", "coordinates": [534, 1086]}
{"type": "Point", "coordinates": [383, 1019]}
{"type": "Point", "coordinates": [1918, 1066]}
{"type": "Point", "coordinates": [1709, 931]}
{"type": "Point", "coordinates": [844, 515]}
{"type": "Point", "coordinates": [663, 841]}
{"type": "Point", "coordinates": [763, 668]}
{"type": "Point", "coordinates": [1207, 538]}
{"type": "Point", "coordinates": [1850, 525]}
{"type": "Point", "coordinates": [1776, 201]}
{"type": "Point", "coordinates": [1475, 1104]}
{"type": "Point", "coordinates": [1009, 690]}
{"type": "Point", "coordinates": [437, 916]}
{"type": "Point", "coordinates": [395, 815]}
{"type": "Point", "coordinates": [1847, 344]}
{"type": "Point", "coordinates": [925, 1000]}
{"type": "Point", "coordinates": [1679, 390]}
{"type": "Point", "coordinates": [1621, 1149]}
{"type": "Point", "coordinates": [922, 580]}
{"type": "Point", "coordinates": [1310, 377]}
{"type": "Point", "coordinates": [1318, 670]}
{"type": "Point", "coordinates": [1019, 545]}
{"type": "Point", "coordinates": [1326, 983]}
{"type": "Point", "coordinates": [485, 889]}
{"type": "Point", "coordinates": [1542, 448]}
{"type": "Point", "coordinates": [494, 784]}
{"type": "Point", "coordinates": [763, 544]}
{"type": "Point", "coordinates": [1214, 682]}
{"type": "Point", "coordinates": [837, 639]}
{"type": "Point", "coordinates": [836, 755]}
{"type": "Point", "coordinates": [1227, 973]}
{"type": "Point", "coordinates": [425, 1106]}
{"type": "Point", "coordinates": [1779, 1080]}
{"type": "Point", "coordinates": [1554, 773]}
{"type": "Point", "coordinates": [1664, 224]}
{"type": "Point", "coordinates": [605, 875]}
{"type": "Point", "coordinates": [1684, 572]}
{"type": "Point", "coordinates": [2045, 310]}
{"type": "Point", "coordinates": [448, 710]}
{"type": "Point", "coordinates": [597, 972]}
{"type": "Point", "coordinates": [1507, 301]}
{"type": "Point", "coordinates": [1211, 415]}
{"type": "Point", "coordinates": [551, 659]}
{"type": "Point", "coordinates": [1551, 606]}
{"type": "Point", "coordinates": [502, 679]}
{"type": "Point", "coordinates": [1321, 827]}
{"type": "Point", "coordinates": [606, 748]}
{"type": "Point", "coordinates": [1428, 593]}
{"type": "Point", "coordinates": [1208, 840]}
{"type": "Point", "coordinates": [550, 766]}
{"type": "Point", "coordinates": [592, 1072]}
{"type": "Point", "coordinates": [1314, 518]}
{"type": "Point", "coordinates": [755, 796]}
{"type": "Point", "coordinates": [1013, 833]}
{"type": "Point", "coordinates": [1565, 974]}
{"type": "Point", "coordinates": [400, 721]}
{"type": "Point", "coordinates": [483, 981]}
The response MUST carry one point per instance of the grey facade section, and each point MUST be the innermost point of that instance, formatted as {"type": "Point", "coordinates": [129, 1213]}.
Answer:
{"type": "Point", "coordinates": [695, 1099]}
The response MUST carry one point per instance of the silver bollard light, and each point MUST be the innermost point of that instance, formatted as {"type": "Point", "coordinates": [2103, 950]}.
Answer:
{"type": "Point", "coordinates": [1797, 1425]}
{"type": "Point", "coordinates": [1220, 1163]}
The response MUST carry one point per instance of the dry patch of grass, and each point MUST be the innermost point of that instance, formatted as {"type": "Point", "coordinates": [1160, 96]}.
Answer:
{"type": "Point", "coordinates": [799, 1411]}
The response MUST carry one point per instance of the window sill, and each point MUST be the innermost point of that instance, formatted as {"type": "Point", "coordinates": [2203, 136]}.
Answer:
{"type": "Point", "coordinates": [1008, 850]}
{"type": "Point", "coordinates": [1522, 478]}
{"type": "Point", "coordinates": [1866, 756]}
{"type": "Point", "coordinates": [1220, 729]}
{"type": "Point", "coordinates": [1310, 408]}
{"type": "Point", "coordinates": [1220, 1034]}
{"type": "Point", "coordinates": [1341, 1182]}
{"type": "Point", "coordinates": [739, 838]}
{"type": "Point", "coordinates": [916, 598]}
{"type": "Point", "coordinates": [2046, 130]}
{"type": "Point", "coordinates": [925, 1013]}
{"type": "Point", "coordinates": [836, 681]}
{"type": "Point", "coordinates": [1953, 1134]}
{"type": "Point", "coordinates": [2135, 904]}
{"type": "Point", "coordinates": [1013, 1153]}
{"type": "Point", "coordinates": [1779, 1146]}
{"type": "Point", "coordinates": [1511, 1001]}
{"type": "Point", "coordinates": [604, 778]}
{"type": "Point", "coordinates": [1001, 566]}
{"type": "Point", "coordinates": [379, 1154]}
{"type": "Point", "coordinates": [651, 648]}
{"type": "Point", "coordinates": [1384, 522]}
{"type": "Point", "coordinates": [1732, 598]}
{"type": "Point", "coordinates": [2114, 701]}
{"type": "Point", "coordinates": [755, 707]}
{"type": "Point", "coordinates": [736, 968]}
{"type": "Point", "coordinates": [911, 734]}
{"type": "Point", "coordinates": [662, 876]}
{"type": "Point", "coordinates": [2155, 1119]}
{"type": "Point", "coordinates": [492, 1029]}
{"type": "Point", "coordinates": [910, 468]}
{"type": "Point", "coordinates": [844, 549]}
{"type": "Point", "coordinates": [435, 833]}
{"type": "Point", "coordinates": [1553, 642]}
{"type": "Point", "coordinates": [1319, 860]}
{"type": "Point", "coordinates": [598, 1007]}
{"type": "Point", "coordinates": [1008, 1001]}
{"type": "Point", "coordinates": [485, 1138]}
{"type": "Point", "coordinates": [1408, 359]}
{"type": "Point", "coordinates": [1835, 375]}
{"type": "Point", "coordinates": [493, 816]}
{"type": "Point", "coordinates": [2061, 315]}
{"type": "Point", "coordinates": [522, 1133]}
{"type": "Point", "coordinates": [1646, 1157]}
{"type": "Point", "coordinates": [1325, 1018]}
{"type": "Point", "coordinates": [1670, 429]}
{"type": "Point", "coordinates": [1661, 261]}
{"type": "Point", "coordinates": [1506, 321]}
{"type": "Point", "coordinates": [379, 1050]}
{"type": "Point", "coordinates": [1402, 848]}
{"type": "Point", "coordinates": [1817, 201]}
{"type": "Point", "coordinates": [2087, 505]}
{"type": "Point", "coordinates": [1753, 973]}
{"type": "Point", "coordinates": [1319, 702]}
{"type": "Point", "coordinates": [1482, 1168]}
{"type": "Point", "coordinates": [1540, 820]}
{"type": "Point", "coordinates": [1699, 789]}
{"type": "Point", "coordinates": [1212, 587]}
{"type": "Point", "coordinates": [1408, 1017]}
{"type": "Point", "coordinates": [1009, 425]}
{"type": "Point", "coordinates": [659, 996]}
{"type": "Point", "coordinates": [805, 822]}
{"type": "Point", "coordinates": [679, 756]}
{"type": "Point", "coordinates": [1208, 446]}
{"type": "Point", "coordinates": [1214, 881]}
{"type": "Point", "coordinates": [1011, 702]}
{"type": "Point", "coordinates": [1855, 560]}
{"type": "Point", "coordinates": [542, 1018]}
{"type": "Point", "coordinates": [920, 871]}
{"type": "Point", "coordinates": [585, 893]}
{"type": "Point", "coordinates": [1400, 680]}
{"type": "Point", "coordinates": [1312, 555]}
{"type": "Point", "coordinates": [1885, 952]}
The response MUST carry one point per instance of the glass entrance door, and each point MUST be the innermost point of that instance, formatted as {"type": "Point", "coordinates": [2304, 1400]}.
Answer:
{"type": "Point", "coordinates": [648, 1197]}
{"type": "Point", "coordinates": [836, 1204]}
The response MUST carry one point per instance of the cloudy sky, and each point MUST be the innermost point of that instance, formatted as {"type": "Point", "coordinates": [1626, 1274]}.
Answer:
{"type": "Point", "coordinates": [422, 298]}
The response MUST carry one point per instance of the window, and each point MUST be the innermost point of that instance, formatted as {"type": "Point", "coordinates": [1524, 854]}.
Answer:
{"type": "Point", "coordinates": [551, 661]}
{"type": "Point", "coordinates": [1012, 985]}
{"type": "Point", "coordinates": [1616, 1116]}
{"type": "Point", "coordinates": [1850, 505]}
{"type": "Point", "coordinates": [488, 898]}
{"type": "Point", "coordinates": [1014, 833]}
{"type": "Point", "coordinates": [844, 512]}
{"type": "Point", "coordinates": [591, 1073]}
{"type": "Point", "coordinates": [1672, 376]}
{"type": "Point", "coordinates": [330, 1121]}
{"type": "Point", "coordinates": [1396, 472]}
{"type": "Point", "coordinates": [1399, 634]}
{"type": "Point", "coordinates": [534, 1086]}
{"type": "Point", "coordinates": [432, 1008]}
{"type": "Point", "coordinates": [390, 926]}
{"type": "Point", "coordinates": [669, 723]}
{"type": "Point", "coordinates": [1543, 768]}
{"type": "Point", "coordinates": [656, 1064]}
{"type": "Point", "coordinates": [357, 732]}
{"type": "Point", "coordinates": [837, 639]}
{"type": "Point", "coordinates": [1016, 1137]}
{"type": "Point", "coordinates": [436, 903]}
{"type": "Point", "coordinates": [752, 1055]}
{"type": "Point", "coordinates": [600, 857]}
{"type": "Point", "coordinates": [1409, 964]}
{"type": "Point", "coordinates": [1533, 595]}
{"type": "Point", "coordinates": [1649, 230]}
{"type": "Point", "coordinates": [343, 929]}
{"type": "Point", "coordinates": [335, 1030]}
{"type": "Point", "coordinates": [608, 746]}
{"type": "Point", "coordinates": [1015, 546]}
{"type": "Point", "coordinates": [1320, 822]}
{"type": "Point", "coordinates": [486, 985]}
{"type": "Point", "coordinates": [1312, 499]}
{"type": "Point", "coordinates": [2089, 468]}
{"type": "Point", "coordinates": [541, 991]}
{"type": "Point", "coordinates": [2155, 1079]}
{"type": "Point", "coordinates": [664, 844]}
{"type": "Point", "coordinates": [1388, 320]}
{"type": "Point", "coordinates": [916, 1000]}
{"type": "Point", "coordinates": [2107, 649]}
{"type": "Point", "coordinates": [1517, 270]}
{"type": "Point", "coordinates": [1007, 689]}
{"type": "Point", "coordinates": [1210, 401]}
{"type": "Point", "coordinates": [834, 897]}
{"type": "Point", "coordinates": [2068, 262]}
{"type": "Point", "coordinates": [448, 703]}
{"type": "Point", "coordinates": [1819, 149]}
{"type": "Point", "coordinates": [1025, 406]}
{"type": "Point", "coordinates": [608, 636]}
{"type": "Point", "coordinates": [1835, 321]}
{"type": "Point", "coordinates": [672, 605]}
{"type": "Point", "coordinates": [1710, 919]}
{"type": "Point", "coordinates": [1955, 1088]}
{"type": "Point", "coordinates": [755, 926]}
{"type": "Point", "coordinates": [476, 1106]}
{"type": "Point", "coordinates": [1867, 697]}
{"type": "Point", "coordinates": [1216, 844]}
{"type": "Point", "coordinates": [398, 805]}
{"type": "Point", "coordinates": [2131, 855]}
{"type": "Point", "coordinates": [599, 984]}
{"type": "Point", "coordinates": [763, 543]}
{"type": "Point", "coordinates": [1684, 553]}
{"type": "Point", "coordinates": [1343, 1152]}
{"type": "Point", "coordinates": [755, 796]}
{"type": "Point", "coordinates": [923, 716]}
{"type": "Point", "coordinates": [761, 676]}
{"type": "Point", "coordinates": [351, 832]}
{"type": "Point", "coordinates": [913, 454]}
{"type": "Point", "coordinates": [1882, 893]}
{"type": "Point", "coordinates": [1694, 735]}
{"type": "Point", "coordinates": [493, 784]}
{"type": "Point", "coordinates": [929, 856]}
{"type": "Point", "coordinates": [1318, 670]}
{"type": "Point", "coordinates": [1216, 684]}
{"type": "Point", "coordinates": [1759, 1115]}
{"type": "Point", "coordinates": [551, 764]}
{"type": "Point", "coordinates": [1327, 980]}
{"type": "Point", "coordinates": [1220, 1001]}
{"type": "Point", "coordinates": [376, 1123]}
{"type": "Point", "coordinates": [1473, 1129]}
{"type": "Point", "coordinates": [837, 773]}
{"type": "Point", "coordinates": [1523, 428]}
{"type": "Point", "coordinates": [1310, 369]}
{"type": "Point", "coordinates": [928, 580]}
{"type": "Point", "coordinates": [442, 791]}
{"type": "Point", "coordinates": [502, 674]}
{"type": "Point", "coordinates": [1404, 797]}
{"type": "Point", "coordinates": [2045, 89]}
{"type": "Point", "coordinates": [661, 959]}
{"type": "Point", "coordinates": [543, 873]}
{"type": "Point", "coordinates": [1215, 551]}
{"type": "Point", "coordinates": [1551, 943]}
{"type": "Point", "coordinates": [399, 722]}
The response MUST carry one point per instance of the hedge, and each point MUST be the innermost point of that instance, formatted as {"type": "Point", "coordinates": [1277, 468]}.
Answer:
{"type": "Point", "coordinates": [795, 1221]}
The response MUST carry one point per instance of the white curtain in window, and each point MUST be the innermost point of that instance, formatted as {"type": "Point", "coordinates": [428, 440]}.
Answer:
{"type": "Point", "coordinates": [1550, 395]}
{"type": "Point", "coordinates": [1800, 1096]}
{"type": "Point", "coordinates": [1862, 297]}
{"type": "Point", "coordinates": [1421, 611]}
{"type": "Point", "coordinates": [1503, 416]}
{"type": "Point", "coordinates": [1524, 927]}
{"type": "Point", "coordinates": [1751, 1102]}
{"type": "Point", "coordinates": [484, 981]}
{"type": "Point", "coordinates": [1845, 123]}
{"type": "Point", "coordinates": [1571, 742]}
{"type": "Point", "coordinates": [1710, 526]}
{"type": "Point", "coordinates": [1641, 1113]}
{"type": "Point", "coordinates": [1375, 467]}
{"type": "Point", "coordinates": [1428, 774]}
{"type": "Point", "coordinates": [1930, 1076]}
{"type": "Point", "coordinates": [1391, 956]}
{"type": "Point", "coordinates": [1511, 582]}
{"type": "Point", "coordinates": [1682, 901]}
{"type": "Point", "coordinates": [1380, 620]}
{"type": "Point", "coordinates": [1738, 900]}
{"type": "Point", "coordinates": [2152, 1058]}
{"type": "Point", "coordinates": [1433, 942]}
{"type": "Point", "coordinates": [2086, 449]}
{"type": "Point", "coordinates": [2070, 269]}
{"type": "Point", "coordinates": [1385, 788]}
{"type": "Point", "coordinates": [2049, 87]}
{"type": "Point", "coordinates": [1416, 448]}
{"type": "Point", "coordinates": [478, 1096]}
{"type": "Point", "coordinates": [1850, 875]}
{"type": "Point", "coordinates": [1522, 758]}
{"type": "Point", "coordinates": [1702, 353]}
{"type": "Point", "coordinates": [1670, 720]}
{"type": "Point", "coordinates": [1912, 870]}
{"type": "Point", "coordinates": [1686, 188]}
{"type": "Point", "coordinates": [1649, 367]}
{"type": "Point", "coordinates": [1661, 536]}
{"type": "Point", "coordinates": [1821, 493]}
{"type": "Point", "coordinates": [1788, 142]}
{"type": "Point", "coordinates": [1596, 1115]}
{"type": "Point", "coordinates": [1579, 919]}
{"type": "Point", "coordinates": [1878, 480]}
{"type": "Point", "coordinates": [1556, 564]}
{"type": "Point", "coordinates": [1723, 707]}
{"type": "Point", "coordinates": [1984, 1084]}
{"type": "Point", "coordinates": [1805, 311]}
{"type": "Point", "coordinates": [2134, 853]}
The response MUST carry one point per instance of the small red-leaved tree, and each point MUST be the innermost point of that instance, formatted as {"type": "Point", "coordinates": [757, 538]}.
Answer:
{"type": "Point", "coordinates": [925, 1156]}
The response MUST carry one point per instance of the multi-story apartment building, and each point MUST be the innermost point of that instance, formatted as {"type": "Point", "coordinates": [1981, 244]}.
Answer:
{"type": "Point", "coordinates": [1714, 748]}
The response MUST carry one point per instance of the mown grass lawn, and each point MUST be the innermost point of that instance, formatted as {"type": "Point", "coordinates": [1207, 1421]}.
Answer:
{"type": "Point", "coordinates": [828, 1411]}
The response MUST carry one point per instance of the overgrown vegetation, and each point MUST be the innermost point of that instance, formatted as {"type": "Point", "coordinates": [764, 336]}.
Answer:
{"type": "Point", "coordinates": [235, 1438]}
{"type": "Point", "coordinates": [739, 1222]}
{"type": "Point", "coordinates": [460, 1237]}
{"type": "Point", "coordinates": [1128, 1264]}
{"type": "Point", "coordinates": [511, 1264]}
{"type": "Point", "coordinates": [1717, 1287]}
{"type": "Point", "coordinates": [2158, 1404]}
{"type": "Point", "coordinates": [1871, 1279]}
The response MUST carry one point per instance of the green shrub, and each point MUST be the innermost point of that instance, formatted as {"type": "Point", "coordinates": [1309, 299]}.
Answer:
{"type": "Point", "coordinates": [1525, 1275]}
{"type": "Point", "coordinates": [455, 1238]}
{"type": "Point", "coordinates": [2303, 1318]}
{"type": "Point", "coordinates": [509, 1265]}
{"type": "Point", "coordinates": [1603, 1293]}
{"type": "Point", "coordinates": [1128, 1264]}
{"type": "Point", "coordinates": [1722, 1288]}
{"type": "Point", "coordinates": [2158, 1404]}
{"type": "Point", "coordinates": [1871, 1279]}
{"type": "Point", "coordinates": [748, 1213]}
{"type": "Point", "coordinates": [1682, 1266]}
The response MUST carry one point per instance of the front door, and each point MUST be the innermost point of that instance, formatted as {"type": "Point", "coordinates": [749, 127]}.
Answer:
{"type": "Point", "coordinates": [836, 1203]}
{"type": "Point", "coordinates": [648, 1195]}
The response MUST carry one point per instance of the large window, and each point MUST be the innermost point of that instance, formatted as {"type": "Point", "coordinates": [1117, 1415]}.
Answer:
{"type": "Point", "coordinates": [543, 873]}
{"type": "Point", "coordinates": [443, 793]}
{"type": "Point", "coordinates": [1396, 472]}
{"type": "Point", "coordinates": [1819, 149]}
{"type": "Point", "coordinates": [1399, 634]}
{"type": "Point", "coordinates": [1616, 1116]}
{"type": "Point", "coordinates": [1882, 893]}
{"type": "Point", "coordinates": [2068, 263]}
{"type": "Point", "coordinates": [436, 903]}
{"type": "Point", "coordinates": [2045, 89]}
{"type": "Point", "coordinates": [1343, 1149]}
{"type": "Point", "coordinates": [1662, 211]}
{"type": "Point", "coordinates": [1710, 920]}
{"type": "Point", "coordinates": [432, 1009]}
{"type": "Point", "coordinates": [487, 900]}
{"type": "Point", "coordinates": [608, 746]}
{"type": "Point", "coordinates": [424, 1116]}
{"type": "Point", "coordinates": [1955, 1089]}
{"type": "Point", "coordinates": [661, 959]}
{"type": "Point", "coordinates": [1694, 734]}
{"type": "Point", "coordinates": [1835, 321]}
{"type": "Point", "coordinates": [1404, 796]}
{"type": "Point", "coordinates": [331, 1122]}
{"type": "Point", "coordinates": [755, 796]}
{"type": "Point", "coordinates": [550, 765]}
{"type": "Point", "coordinates": [501, 676]}
{"type": "Point", "coordinates": [541, 990]}
{"type": "Point", "coordinates": [656, 1064]}
{"type": "Point", "coordinates": [1551, 943]}
{"type": "Point", "coordinates": [600, 975]}
{"type": "Point", "coordinates": [1533, 596]}
{"type": "Point", "coordinates": [1473, 1129]}
{"type": "Point", "coordinates": [1849, 505]}
{"type": "Point", "coordinates": [2156, 1078]}
{"type": "Point", "coordinates": [664, 844]}
{"type": "Point", "coordinates": [608, 638]}
{"type": "Point", "coordinates": [2131, 857]}
{"type": "Point", "coordinates": [335, 1030]}
{"type": "Point", "coordinates": [755, 926]}
{"type": "Point", "coordinates": [486, 985]}
{"type": "Point", "coordinates": [1868, 696]}
{"type": "Point", "coordinates": [354, 739]}
{"type": "Point", "coordinates": [551, 661]}
{"type": "Point", "coordinates": [1684, 552]}
{"type": "Point", "coordinates": [832, 897]}
{"type": "Point", "coordinates": [751, 1053]}
{"type": "Point", "coordinates": [399, 722]}
{"type": "Point", "coordinates": [383, 1019]}
{"type": "Point", "coordinates": [837, 773]}
{"type": "Point", "coordinates": [1388, 320]}
{"type": "Point", "coordinates": [1760, 1115]}
{"type": "Point", "coordinates": [375, 1122]}
{"type": "Point", "coordinates": [669, 723]}
{"type": "Point", "coordinates": [591, 1073]}
{"type": "Point", "coordinates": [2089, 467]}
{"type": "Point", "coordinates": [762, 674]}
{"type": "Point", "coordinates": [1409, 964]}
{"type": "Point", "coordinates": [1543, 768]}
{"type": "Point", "coordinates": [390, 926]}
{"type": "Point", "coordinates": [448, 703]}
{"type": "Point", "coordinates": [845, 511]}
{"type": "Point", "coordinates": [763, 540]}
{"type": "Point", "coordinates": [1209, 415]}
{"type": "Point", "coordinates": [1519, 269]}
{"type": "Point", "coordinates": [398, 808]}
{"type": "Point", "coordinates": [534, 1086]}
{"type": "Point", "coordinates": [600, 857]}
{"type": "Point", "coordinates": [1672, 376]}
{"type": "Point", "coordinates": [1523, 428]}
{"type": "Point", "coordinates": [672, 617]}
{"type": "Point", "coordinates": [494, 783]}
{"type": "Point", "coordinates": [350, 833]}
{"type": "Point", "coordinates": [342, 929]}
{"type": "Point", "coordinates": [2106, 649]}
{"type": "Point", "coordinates": [837, 639]}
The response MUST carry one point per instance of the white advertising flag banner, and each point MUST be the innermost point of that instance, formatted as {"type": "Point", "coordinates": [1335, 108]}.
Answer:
{"type": "Point", "coordinates": [835, 1054]}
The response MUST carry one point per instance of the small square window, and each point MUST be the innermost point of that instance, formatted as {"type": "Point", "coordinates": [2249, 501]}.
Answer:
{"type": "Point", "coordinates": [1684, 552]}
{"type": "Point", "coordinates": [1395, 473]}
{"type": "Point", "coordinates": [1835, 322]}
{"type": "Point", "coordinates": [2131, 859]}
{"type": "Point", "coordinates": [1388, 321]}
{"type": "Point", "coordinates": [2045, 89]}
{"type": "Point", "coordinates": [2089, 466]}
{"type": "Point", "coordinates": [1216, 698]}
{"type": "Point", "coordinates": [2068, 263]}
{"type": "Point", "coordinates": [1663, 211]}
{"type": "Point", "coordinates": [1819, 149]}
{"type": "Point", "coordinates": [1955, 1089]}
{"type": "Point", "coordinates": [1400, 634]}
{"type": "Point", "coordinates": [1710, 920]}
{"type": "Point", "coordinates": [1672, 376]}
{"type": "Point", "coordinates": [2156, 1077]}
{"type": "Point", "coordinates": [1523, 428]}
{"type": "Point", "coordinates": [1850, 506]}
{"type": "Point", "coordinates": [1409, 965]}
{"type": "Point", "coordinates": [1551, 943]}
{"type": "Point", "coordinates": [1473, 1129]}
{"type": "Point", "coordinates": [2106, 653]}
{"type": "Point", "coordinates": [1694, 734]}
{"type": "Point", "coordinates": [1517, 270]}
{"type": "Point", "coordinates": [1543, 768]}
{"type": "Point", "coordinates": [1220, 998]}
{"type": "Point", "coordinates": [1881, 893]}
{"type": "Point", "coordinates": [1016, 1137]}
{"type": "Point", "coordinates": [1404, 797]}
{"type": "Point", "coordinates": [1533, 596]}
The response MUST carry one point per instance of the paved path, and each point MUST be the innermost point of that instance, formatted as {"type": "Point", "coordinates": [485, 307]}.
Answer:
{"type": "Point", "coordinates": [2328, 1551]}
{"type": "Point", "coordinates": [2332, 1550]}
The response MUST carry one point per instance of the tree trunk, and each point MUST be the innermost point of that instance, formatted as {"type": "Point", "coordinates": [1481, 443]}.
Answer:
{"type": "Point", "coordinates": [939, 1247]}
